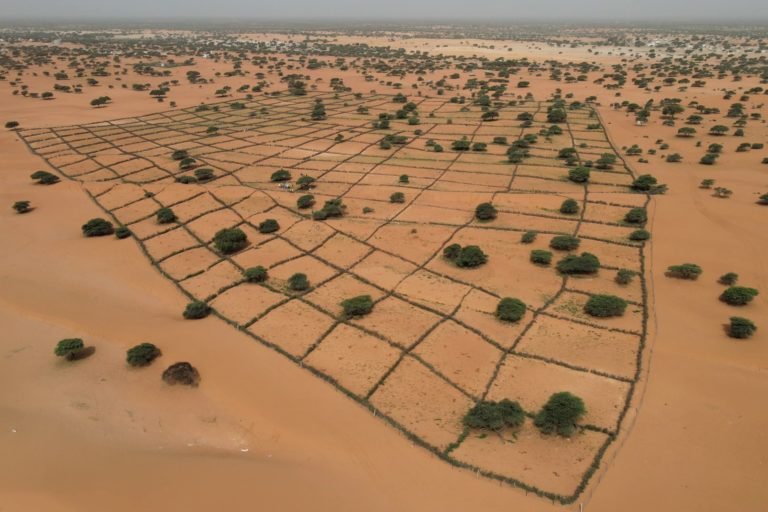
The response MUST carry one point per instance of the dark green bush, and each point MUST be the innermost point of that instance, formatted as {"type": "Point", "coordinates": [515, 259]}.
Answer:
{"type": "Point", "coordinates": [404, 178]}
{"type": "Point", "coordinates": [639, 235]}
{"type": "Point", "coordinates": [98, 227]}
{"type": "Point", "coordinates": [604, 306]}
{"type": "Point", "coordinates": [21, 206]}
{"type": "Point", "coordinates": [485, 211]}
{"type": "Point", "coordinates": [569, 207]}
{"type": "Point", "coordinates": [255, 274]}
{"type": "Point", "coordinates": [471, 256]}
{"type": "Point", "coordinates": [230, 240]}
{"type": "Point", "coordinates": [585, 264]}
{"type": "Point", "coordinates": [564, 243]}
{"type": "Point", "coordinates": [305, 201]}
{"type": "Point", "coordinates": [181, 373]}
{"type": "Point", "coordinates": [541, 257]}
{"type": "Point", "coordinates": [528, 237]}
{"type": "Point", "coordinates": [305, 182]}
{"type": "Point", "coordinates": [332, 208]}
{"type": "Point", "coordinates": [180, 154]}
{"type": "Point", "coordinates": [298, 282]}
{"type": "Point", "coordinates": [510, 309]}
{"type": "Point", "coordinates": [728, 279]}
{"type": "Point", "coordinates": [644, 183]}
{"type": "Point", "coordinates": [204, 174]}
{"type": "Point", "coordinates": [452, 252]}
{"type": "Point", "coordinates": [738, 295]}
{"type": "Point", "coordinates": [763, 199]}
{"type": "Point", "coordinates": [281, 175]}
{"type": "Point", "coordinates": [560, 414]}
{"type": "Point", "coordinates": [397, 197]}
{"type": "Point", "coordinates": [142, 354]}
{"type": "Point", "coordinates": [268, 226]}
{"type": "Point", "coordinates": [495, 415]}
{"type": "Point", "coordinates": [44, 177]}
{"type": "Point", "coordinates": [196, 310]}
{"type": "Point", "coordinates": [165, 216]}
{"type": "Point", "coordinates": [69, 348]}
{"type": "Point", "coordinates": [636, 216]}
{"type": "Point", "coordinates": [741, 328]}
{"type": "Point", "coordinates": [358, 306]}
{"type": "Point", "coordinates": [624, 276]}
{"type": "Point", "coordinates": [579, 174]}
{"type": "Point", "coordinates": [122, 232]}
{"type": "Point", "coordinates": [689, 271]}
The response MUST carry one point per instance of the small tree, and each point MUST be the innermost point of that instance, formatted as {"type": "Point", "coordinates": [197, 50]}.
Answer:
{"type": "Point", "coordinates": [142, 354]}
{"type": "Point", "coordinates": [122, 232]}
{"type": "Point", "coordinates": [585, 264]}
{"type": "Point", "coordinates": [624, 276]}
{"type": "Point", "coordinates": [404, 179]}
{"type": "Point", "coordinates": [357, 306]}
{"type": "Point", "coordinates": [741, 328]}
{"type": "Point", "coordinates": [485, 211]}
{"type": "Point", "coordinates": [196, 310]}
{"type": "Point", "coordinates": [397, 197]}
{"type": "Point", "coordinates": [636, 216]}
{"type": "Point", "coordinates": [281, 175]}
{"type": "Point", "coordinates": [738, 295]}
{"type": "Point", "coordinates": [579, 174]}
{"type": "Point", "coordinates": [569, 207]}
{"type": "Point", "coordinates": [165, 216]}
{"type": "Point", "coordinates": [255, 274]}
{"type": "Point", "coordinates": [639, 235]}
{"type": "Point", "coordinates": [204, 174]}
{"type": "Point", "coordinates": [560, 414]}
{"type": "Point", "coordinates": [180, 154]}
{"type": "Point", "coordinates": [97, 227]}
{"type": "Point", "coordinates": [528, 237]}
{"type": "Point", "coordinates": [564, 243]}
{"type": "Point", "coordinates": [298, 282]}
{"type": "Point", "coordinates": [605, 306]}
{"type": "Point", "coordinates": [22, 206]}
{"type": "Point", "coordinates": [471, 256]}
{"type": "Point", "coordinates": [689, 271]}
{"type": "Point", "coordinates": [510, 309]}
{"type": "Point", "coordinates": [69, 348]}
{"type": "Point", "coordinates": [181, 373]}
{"type": "Point", "coordinates": [495, 416]}
{"type": "Point", "coordinates": [230, 240]}
{"type": "Point", "coordinates": [305, 182]}
{"type": "Point", "coordinates": [305, 201]}
{"type": "Point", "coordinates": [44, 177]}
{"type": "Point", "coordinates": [268, 226]}
{"type": "Point", "coordinates": [728, 279]}
{"type": "Point", "coordinates": [541, 257]}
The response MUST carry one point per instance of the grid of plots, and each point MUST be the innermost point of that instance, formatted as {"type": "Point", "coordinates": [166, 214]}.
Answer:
{"type": "Point", "coordinates": [432, 345]}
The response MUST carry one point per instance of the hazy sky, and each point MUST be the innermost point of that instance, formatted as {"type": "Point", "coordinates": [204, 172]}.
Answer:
{"type": "Point", "coordinates": [523, 10]}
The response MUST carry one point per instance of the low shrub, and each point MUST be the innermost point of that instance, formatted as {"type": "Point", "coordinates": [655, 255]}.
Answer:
{"type": "Point", "coordinates": [639, 235]}
{"type": "Point", "coordinates": [560, 414]}
{"type": "Point", "coordinates": [305, 182]}
{"type": "Point", "coordinates": [569, 207]}
{"type": "Point", "coordinates": [181, 373]}
{"type": "Point", "coordinates": [728, 279]}
{"type": "Point", "coordinates": [98, 227]}
{"type": "Point", "coordinates": [397, 197]}
{"type": "Point", "coordinates": [280, 175]}
{"type": "Point", "coordinates": [605, 306]}
{"type": "Point", "coordinates": [471, 256]}
{"type": "Point", "coordinates": [452, 252]}
{"type": "Point", "coordinates": [332, 208]}
{"type": "Point", "coordinates": [305, 201]}
{"type": "Point", "coordinates": [624, 276]}
{"type": "Point", "coordinates": [196, 310]}
{"type": "Point", "coordinates": [528, 237]}
{"type": "Point", "coordinates": [636, 216]}
{"type": "Point", "coordinates": [230, 240]}
{"type": "Point", "coordinates": [741, 328]}
{"type": "Point", "coordinates": [44, 177]}
{"type": "Point", "coordinates": [69, 348]}
{"type": "Point", "coordinates": [255, 274]}
{"type": "Point", "coordinates": [268, 226]}
{"type": "Point", "coordinates": [122, 232]}
{"type": "Point", "coordinates": [142, 354]}
{"type": "Point", "coordinates": [204, 174]}
{"type": "Point", "coordinates": [404, 179]}
{"type": "Point", "coordinates": [357, 306]}
{"type": "Point", "coordinates": [738, 295]}
{"type": "Point", "coordinates": [585, 264]}
{"type": "Point", "coordinates": [298, 282]}
{"type": "Point", "coordinates": [485, 211]}
{"type": "Point", "coordinates": [510, 309]}
{"type": "Point", "coordinates": [763, 200]}
{"type": "Point", "coordinates": [689, 271]}
{"type": "Point", "coordinates": [564, 243]}
{"type": "Point", "coordinates": [491, 415]}
{"type": "Point", "coordinates": [541, 257]}
{"type": "Point", "coordinates": [579, 174]}
{"type": "Point", "coordinates": [22, 206]}
{"type": "Point", "coordinates": [165, 216]}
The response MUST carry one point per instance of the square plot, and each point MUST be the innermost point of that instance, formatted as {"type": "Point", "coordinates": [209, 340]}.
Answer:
{"type": "Point", "coordinates": [415, 246]}
{"type": "Point", "coordinates": [383, 269]}
{"type": "Point", "coordinates": [342, 251]}
{"type": "Point", "coordinates": [195, 207]}
{"type": "Point", "coordinates": [209, 224]}
{"type": "Point", "coordinates": [136, 211]}
{"type": "Point", "coordinates": [461, 355]}
{"type": "Point", "coordinates": [531, 382]}
{"type": "Point", "coordinates": [245, 302]}
{"type": "Point", "coordinates": [189, 262]}
{"type": "Point", "coordinates": [212, 280]}
{"type": "Point", "coordinates": [266, 254]}
{"type": "Point", "coordinates": [433, 291]}
{"type": "Point", "coordinates": [330, 295]}
{"type": "Point", "coordinates": [294, 327]}
{"type": "Point", "coordinates": [356, 360]}
{"type": "Point", "coordinates": [571, 305]}
{"type": "Point", "coordinates": [308, 234]}
{"type": "Point", "coordinates": [478, 310]}
{"type": "Point", "coordinates": [317, 272]}
{"type": "Point", "coordinates": [422, 403]}
{"type": "Point", "coordinates": [398, 321]}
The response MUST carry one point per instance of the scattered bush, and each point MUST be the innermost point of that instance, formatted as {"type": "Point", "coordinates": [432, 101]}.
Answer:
{"type": "Point", "coordinates": [397, 197]}
{"type": "Point", "coordinates": [122, 232]}
{"type": "Point", "coordinates": [305, 182]}
{"type": "Point", "coordinates": [528, 237]}
{"type": "Point", "coordinates": [689, 271]}
{"type": "Point", "coordinates": [741, 328]}
{"type": "Point", "coordinates": [44, 177]}
{"type": "Point", "coordinates": [230, 240]}
{"type": "Point", "coordinates": [180, 154]}
{"type": "Point", "coordinates": [69, 348]}
{"type": "Point", "coordinates": [738, 295]}
{"type": "Point", "coordinates": [728, 279]}
{"type": "Point", "coordinates": [204, 174]}
{"type": "Point", "coordinates": [636, 216]}
{"type": "Point", "coordinates": [639, 235]}
{"type": "Point", "coordinates": [305, 201]}
{"type": "Point", "coordinates": [471, 256]}
{"type": "Point", "coordinates": [142, 354]}
{"type": "Point", "coordinates": [560, 414]}
{"type": "Point", "coordinates": [255, 274]}
{"type": "Point", "coordinates": [541, 257]}
{"type": "Point", "coordinates": [485, 211]}
{"type": "Point", "coordinates": [268, 226]}
{"type": "Point", "coordinates": [281, 175]}
{"type": "Point", "coordinates": [22, 206]}
{"type": "Point", "coordinates": [624, 276]}
{"type": "Point", "coordinates": [605, 306]}
{"type": "Point", "coordinates": [495, 415]}
{"type": "Point", "coordinates": [585, 264]}
{"type": "Point", "coordinates": [510, 309]}
{"type": "Point", "coordinates": [579, 174]}
{"type": "Point", "coordinates": [298, 282]}
{"type": "Point", "coordinates": [98, 227]}
{"type": "Point", "coordinates": [332, 208]}
{"type": "Point", "coordinates": [196, 310]}
{"type": "Point", "coordinates": [569, 207]}
{"type": "Point", "coordinates": [165, 216]}
{"type": "Point", "coordinates": [181, 373]}
{"type": "Point", "coordinates": [564, 243]}
{"type": "Point", "coordinates": [357, 306]}
{"type": "Point", "coordinates": [404, 179]}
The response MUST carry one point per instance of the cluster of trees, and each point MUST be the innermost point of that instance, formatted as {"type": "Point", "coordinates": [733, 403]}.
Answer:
{"type": "Point", "coordinates": [469, 256]}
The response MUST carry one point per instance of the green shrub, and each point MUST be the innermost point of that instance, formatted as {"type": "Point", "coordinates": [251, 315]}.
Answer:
{"type": "Point", "coordinates": [763, 199]}
{"type": "Point", "coordinates": [44, 177]}
{"type": "Point", "coordinates": [255, 274]}
{"type": "Point", "coordinates": [471, 256]}
{"type": "Point", "coordinates": [397, 197]}
{"type": "Point", "coordinates": [495, 415]}
{"type": "Point", "coordinates": [560, 414]}
{"type": "Point", "coordinates": [142, 354]}
{"type": "Point", "coordinates": [230, 240]}
{"type": "Point", "coordinates": [196, 310]}
{"type": "Point", "coordinates": [741, 328]}
{"type": "Point", "coordinates": [639, 235]}
{"type": "Point", "coordinates": [268, 226]}
{"type": "Point", "coordinates": [541, 257]}
{"type": "Point", "coordinates": [69, 348]}
{"type": "Point", "coordinates": [564, 243]}
{"type": "Point", "coordinates": [644, 183]}
{"type": "Point", "coordinates": [624, 276]}
{"type": "Point", "coordinates": [738, 295]}
{"type": "Point", "coordinates": [165, 216]}
{"type": "Point", "coordinates": [728, 279]}
{"type": "Point", "coordinates": [204, 174]}
{"type": "Point", "coordinates": [298, 282]}
{"type": "Point", "coordinates": [510, 309]}
{"type": "Point", "coordinates": [689, 271]}
{"type": "Point", "coordinates": [122, 232]}
{"type": "Point", "coordinates": [305, 182]}
{"type": "Point", "coordinates": [305, 201]}
{"type": "Point", "coordinates": [636, 216]}
{"type": "Point", "coordinates": [181, 373]}
{"type": "Point", "coordinates": [179, 154]}
{"type": "Point", "coordinates": [280, 175]}
{"type": "Point", "coordinates": [98, 227]}
{"type": "Point", "coordinates": [605, 306]}
{"type": "Point", "coordinates": [357, 306]}
{"type": "Point", "coordinates": [452, 252]}
{"type": "Point", "coordinates": [332, 208]}
{"type": "Point", "coordinates": [21, 206]}
{"type": "Point", "coordinates": [404, 178]}
{"type": "Point", "coordinates": [485, 211]}
{"type": "Point", "coordinates": [569, 207]}
{"type": "Point", "coordinates": [585, 264]}
{"type": "Point", "coordinates": [579, 174]}
{"type": "Point", "coordinates": [528, 237]}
